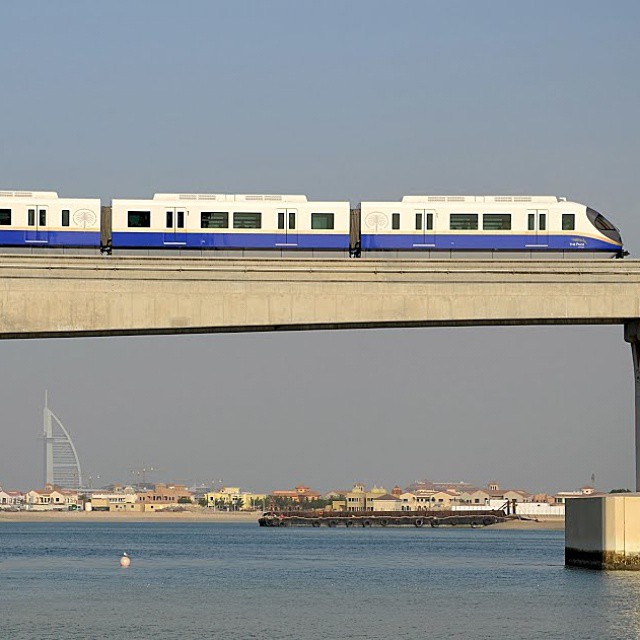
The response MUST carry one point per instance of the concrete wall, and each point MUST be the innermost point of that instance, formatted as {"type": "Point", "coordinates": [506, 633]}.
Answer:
{"type": "Point", "coordinates": [68, 296]}
{"type": "Point", "coordinates": [603, 532]}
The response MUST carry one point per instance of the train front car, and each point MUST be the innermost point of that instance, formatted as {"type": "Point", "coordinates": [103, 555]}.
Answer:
{"type": "Point", "coordinates": [39, 219]}
{"type": "Point", "coordinates": [486, 227]}
{"type": "Point", "coordinates": [227, 224]}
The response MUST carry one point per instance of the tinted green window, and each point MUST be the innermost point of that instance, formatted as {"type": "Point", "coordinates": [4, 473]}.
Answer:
{"type": "Point", "coordinates": [280, 219]}
{"type": "Point", "coordinates": [139, 218]}
{"type": "Point", "coordinates": [65, 217]}
{"type": "Point", "coordinates": [531, 222]}
{"type": "Point", "coordinates": [31, 217]}
{"type": "Point", "coordinates": [395, 220]}
{"type": "Point", "coordinates": [5, 216]}
{"type": "Point", "coordinates": [292, 220]}
{"type": "Point", "coordinates": [463, 221]}
{"type": "Point", "coordinates": [418, 222]}
{"type": "Point", "coordinates": [180, 219]}
{"type": "Point", "coordinates": [214, 220]}
{"type": "Point", "coordinates": [543, 221]}
{"type": "Point", "coordinates": [42, 217]}
{"type": "Point", "coordinates": [429, 222]}
{"type": "Point", "coordinates": [242, 220]}
{"type": "Point", "coordinates": [568, 221]}
{"type": "Point", "coordinates": [496, 221]}
{"type": "Point", "coordinates": [322, 220]}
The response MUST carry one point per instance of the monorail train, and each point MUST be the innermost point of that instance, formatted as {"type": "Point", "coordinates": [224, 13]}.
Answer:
{"type": "Point", "coordinates": [277, 225]}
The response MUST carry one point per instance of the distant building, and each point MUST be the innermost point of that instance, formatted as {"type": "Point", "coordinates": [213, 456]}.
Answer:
{"type": "Point", "coordinates": [299, 494]}
{"type": "Point", "coordinates": [385, 502]}
{"type": "Point", "coordinates": [562, 496]}
{"type": "Point", "coordinates": [359, 499]}
{"type": "Point", "coordinates": [426, 500]}
{"type": "Point", "coordinates": [61, 462]}
{"type": "Point", "coordinates": [164, 495]}
{"type": "Point", "coordinates": [11, 498]}
{"type": "Point", "coordinates": [51, 498]}
{"type": "Point", "coordinates": [125, 499]}
{"type": "Point", "coordinates": [232, 498]}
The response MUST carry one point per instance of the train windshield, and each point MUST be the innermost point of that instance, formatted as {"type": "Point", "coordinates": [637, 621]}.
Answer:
{"type": "Point", "coordinates": [599, 221]}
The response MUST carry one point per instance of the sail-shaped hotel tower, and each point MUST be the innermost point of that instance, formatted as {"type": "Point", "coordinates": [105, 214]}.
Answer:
{"type": "Point", "coordinates": [61, 462]}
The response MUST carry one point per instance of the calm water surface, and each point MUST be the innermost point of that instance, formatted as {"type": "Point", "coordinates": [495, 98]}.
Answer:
{"type": "Point", "coordinates": [189, 581]}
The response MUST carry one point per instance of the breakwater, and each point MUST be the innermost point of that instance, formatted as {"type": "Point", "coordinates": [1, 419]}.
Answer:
{"type": "Point", "coordinates": [416, 519]}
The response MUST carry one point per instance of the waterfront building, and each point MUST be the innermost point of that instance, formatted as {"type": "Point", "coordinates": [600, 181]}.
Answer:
{"type": "Point", "coordinates": [300, 494]}
{"type": "Point", "coordinates": [61, 462]}
{"type": "Point", "coordinates": [11, 498]}
{"type": "Point", "coordinates": [232, 498]}
{"type": "Point", "coordinates": [51, 498]}
{"type": "Point", "coordinates": [386, 502]}
{"type": "Point", "coordinates": [562, 496]}
{"type": "Point", "coordinates": [123, 500]}
{"type": "Point", "coordinates": [425, 500]}
{"type": "Point", "coordinates": [164, 495]}
{"type": "Point", "coordinates": [359, 499]}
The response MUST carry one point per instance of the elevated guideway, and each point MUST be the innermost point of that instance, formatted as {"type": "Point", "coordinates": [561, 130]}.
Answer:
{"type": "Point", "coordinates": [66, 296]}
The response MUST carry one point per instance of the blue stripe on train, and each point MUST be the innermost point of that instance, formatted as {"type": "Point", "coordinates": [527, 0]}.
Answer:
{"type": "Point", "coordinates": [230, 240]}
{"type": "Point", "coordinates": [484, 241]}
{"type": "Point", "coordinates": [21, 238]}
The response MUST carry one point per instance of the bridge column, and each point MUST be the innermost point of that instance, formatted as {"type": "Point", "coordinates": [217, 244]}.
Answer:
{"type": "Point", "coordinates": [632, 336]}
{"type": "Point", "coordinates": [604, 532]}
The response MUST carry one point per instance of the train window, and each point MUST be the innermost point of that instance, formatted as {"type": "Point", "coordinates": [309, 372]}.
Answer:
{"type": "Point", "coordinates": [169, 220]}
{"type": "Point", "coordinates": [292, 220]}
{"type": "Point", "coordinates": [180, 221]}
{"type": "Point", "coordinates": [395, 220]}
{"type": "Point", "coordinates": [280, 219]}
{"type": "Point", "coordinates": [214, 220]}
{"type": "Point", "coordinates": [42, 217]}
{"type": "Point", "coordinates": [463, 221]}
{"type": "Point", "coordinates": [139, 218]}
{"type": "Point", "coordinates": [322, 221]}
{"type": "Point", "coordinates": [568, 221]}
{"type": "Point", "coordinates": [31, 217]}
{"type": "Point", "coordinates": [543, 222]}
{"type": "Point", "coordinates": [5, 217]}
{"type": "Point", "coordinates": [244, 220]}
{"type": "Point", "coordinates": [531, 225]}
{"type": "Point", "coordinates": [496, 221]}
{"type": "Point", "coordinates": [418, 222]}
{"type": "Point", "coordinates": [65, 217]}
{"type": "Point", "coordinates": [429, 222]}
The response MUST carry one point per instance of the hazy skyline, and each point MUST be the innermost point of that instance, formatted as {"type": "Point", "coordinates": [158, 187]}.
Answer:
{"type": "Point", "coordinates": [358, 100]}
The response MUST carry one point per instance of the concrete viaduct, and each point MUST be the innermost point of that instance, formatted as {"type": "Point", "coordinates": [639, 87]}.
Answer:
{"type": "Point", "coordinates": [46, 296]}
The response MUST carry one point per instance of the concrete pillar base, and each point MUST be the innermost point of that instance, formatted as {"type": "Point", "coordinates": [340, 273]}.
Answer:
{"type": "Point", "coordinates": [603, 532]}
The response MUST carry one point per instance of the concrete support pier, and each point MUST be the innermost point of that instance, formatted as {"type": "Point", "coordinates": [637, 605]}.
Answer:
{"type": "Point", "coordinates": [603, 532]}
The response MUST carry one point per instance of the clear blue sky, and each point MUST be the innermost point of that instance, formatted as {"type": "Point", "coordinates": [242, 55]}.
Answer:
{"type": "Point", "coordinates": [353, 100]}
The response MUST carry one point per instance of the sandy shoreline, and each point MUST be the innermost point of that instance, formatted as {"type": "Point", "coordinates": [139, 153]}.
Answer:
{"type": "Point", "coordinates": [205, 516]}
{"type": "Point", "coordinates": [107, 516]}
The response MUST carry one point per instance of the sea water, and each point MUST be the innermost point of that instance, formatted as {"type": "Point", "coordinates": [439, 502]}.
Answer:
{"type": "Point", "coordinates": [190, 581]}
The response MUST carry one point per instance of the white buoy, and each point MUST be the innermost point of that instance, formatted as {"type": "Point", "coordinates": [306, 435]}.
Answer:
{"type": "Point", "coordinates": [125, 561]}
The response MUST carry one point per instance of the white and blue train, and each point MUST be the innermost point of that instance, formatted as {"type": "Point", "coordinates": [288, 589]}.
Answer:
{"type": "Point", "coordinates": [276, 225]}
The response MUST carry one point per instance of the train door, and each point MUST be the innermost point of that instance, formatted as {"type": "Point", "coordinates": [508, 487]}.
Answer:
{"type": "Point", "coordinates": [287, 235]}
{"type": "Point", "coordinates": [425, 228]}
{"type": "Point", "coordinates": [37, 225]}
{"type": "Point", "coordinates": [538, 221]}
{"type": "Point", "coordinates": [175, 232]}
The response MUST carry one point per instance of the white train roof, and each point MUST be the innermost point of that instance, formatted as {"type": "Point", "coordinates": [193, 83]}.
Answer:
{"type": "Point", "coordinates": [483, 199]}
{"type": "Point", "coordinates": [228, 197]}
{"type": "Point", "coordinates": [42, 195]}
